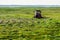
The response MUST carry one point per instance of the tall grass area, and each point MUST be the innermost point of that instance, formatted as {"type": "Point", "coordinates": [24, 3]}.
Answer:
{"type": "Point", "coordinates": [19, 24]}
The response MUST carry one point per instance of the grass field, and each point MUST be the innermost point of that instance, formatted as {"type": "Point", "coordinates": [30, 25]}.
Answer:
{"type": "Point", "coordinates": [19, 24]}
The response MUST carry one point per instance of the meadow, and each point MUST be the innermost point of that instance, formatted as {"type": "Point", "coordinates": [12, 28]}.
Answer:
{"type": "Point", "coordinates": [18, 23]}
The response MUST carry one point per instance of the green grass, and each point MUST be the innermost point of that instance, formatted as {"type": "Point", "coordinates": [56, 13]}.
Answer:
{"type": "Point", "coordinates": [19, 24]}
